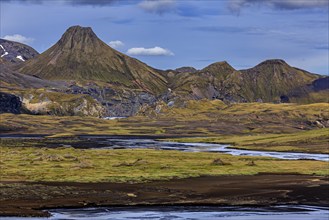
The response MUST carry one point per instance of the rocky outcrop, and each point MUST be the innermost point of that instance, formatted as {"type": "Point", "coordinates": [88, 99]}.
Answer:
{"type": "Point", "coordinates": [10, 103]}
{"type": "Point", "coordinates": [50, 102]}
{"type": "Point", "coordinates": [321, 84]}
{"type": "Point", "coordinates": [116, 102]}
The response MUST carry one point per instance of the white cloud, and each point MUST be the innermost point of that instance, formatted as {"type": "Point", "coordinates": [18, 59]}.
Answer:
{"type": "Point", "coordinates": [116, 44]}
{"type": "Point", "coordinates": [237, 5]}
{"type": "Point", "coordinates": [19, 38]}
{"type": "Point", "coordinates": [158, 6]}
{"type": "Point", "coordinates": [155, 51]}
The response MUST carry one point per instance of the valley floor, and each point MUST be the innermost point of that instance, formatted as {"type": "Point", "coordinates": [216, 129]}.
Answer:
{"type": "Point", "coordinates": [41, 173]}
{"type": "Point", "coordinates": [35, 178]}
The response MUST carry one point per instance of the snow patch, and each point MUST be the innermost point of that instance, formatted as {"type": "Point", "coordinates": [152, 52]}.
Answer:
{"type": "Point", "coordinates": [6, 53]}
{"type": "Point", "coordinates": [3, 48]}
{"type": "Point", "coordinates": [20, 57]}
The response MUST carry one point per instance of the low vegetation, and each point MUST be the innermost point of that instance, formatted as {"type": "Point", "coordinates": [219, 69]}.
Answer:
{"type": "Point", "coordinates": [259, 126]}
{"type": "Point", "coordinates": [200, 118]}
{"type": "Point", "coordinates": [312, 141]}
{"type": "Point", "coordinates": [137, 165]}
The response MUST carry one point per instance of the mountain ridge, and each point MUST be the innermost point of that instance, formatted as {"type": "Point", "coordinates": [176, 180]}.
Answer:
{"type": "Point", "coordinates": [84, 67]}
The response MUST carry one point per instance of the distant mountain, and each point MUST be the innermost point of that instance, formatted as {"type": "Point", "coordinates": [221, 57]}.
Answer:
{"type": "Point", "coordinates": [273, 80]}
{"type": "Point", "coordinates": [81, 75]}
{"type": "Point", "coordinates": [81, 56]}
{"type": "Point", "coordinates": [269, 81]}
{"type": "Point", "coordinates": [15, 52]}
{"type": "Point", "coordinates": [217, 81]}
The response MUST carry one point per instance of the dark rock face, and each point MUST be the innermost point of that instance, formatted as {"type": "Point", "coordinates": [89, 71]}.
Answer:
{"type": "Point", "coordinates": [116, 102]}
{"type": "Point", "coordinates": [284, 99]}
{"type": "Point", "coordinates": [10, 103]}
{"type": "Point", "coordinates": [15, 52]}
{"type": "Point", "coordinates": [321, 84]}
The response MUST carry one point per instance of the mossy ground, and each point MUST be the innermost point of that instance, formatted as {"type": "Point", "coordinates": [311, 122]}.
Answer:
{"type": "Point", "coordinates": [205, 118]}
{"type": "Point", "coordinates": [278, 127]}
{"type": "Point", "coordinates": [137, 165]}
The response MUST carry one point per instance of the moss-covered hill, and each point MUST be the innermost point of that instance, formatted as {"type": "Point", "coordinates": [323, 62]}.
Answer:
{"type": "Point", "coordinates": [81, 55]}
{"type": "Point", "coordinates": [274, 80]}
{"type": "Point", "coordinates": [269, 81]}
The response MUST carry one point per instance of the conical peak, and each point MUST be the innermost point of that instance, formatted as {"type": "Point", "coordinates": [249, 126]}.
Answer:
{"type": "Point", "coordinates": [77, 37]}
{"type": "Point", "coordinates": [79, 30]}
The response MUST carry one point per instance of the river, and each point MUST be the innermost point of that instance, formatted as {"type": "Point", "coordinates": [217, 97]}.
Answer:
{"type": "Point", "coordinates": [119, 143]}
{"type": "Point", "coordinates": [189, 213]}
{"type": "Point", "coordinates": [127, 142]}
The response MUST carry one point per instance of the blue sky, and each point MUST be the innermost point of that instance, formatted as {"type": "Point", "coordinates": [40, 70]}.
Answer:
{"type": "Point", "coordinates": [173, 33]}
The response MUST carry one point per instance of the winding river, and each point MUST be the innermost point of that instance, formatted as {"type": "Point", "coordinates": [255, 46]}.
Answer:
{"type": "Point", "coordinates": [120, 143]}
{"type": "Point", "coordinates": [190, 213]}
{"type": "Point", "coordinates": [127, 142]}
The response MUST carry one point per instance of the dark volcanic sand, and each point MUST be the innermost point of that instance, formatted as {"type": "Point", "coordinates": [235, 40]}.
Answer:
{"type": "Point", "coordinates": [28, 199]}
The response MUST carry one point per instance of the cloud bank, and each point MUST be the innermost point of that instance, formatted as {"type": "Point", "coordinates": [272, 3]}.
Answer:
{"type": "Point", "coordinates": [155, 51]}
{"type": "Point", "coordinates": [19, 38]}
{"type": "Point", "coordinates": [158, 6]}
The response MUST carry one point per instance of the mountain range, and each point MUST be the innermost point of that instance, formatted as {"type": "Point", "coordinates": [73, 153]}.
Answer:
{"type": "Point", "coordinates": [82, 75]}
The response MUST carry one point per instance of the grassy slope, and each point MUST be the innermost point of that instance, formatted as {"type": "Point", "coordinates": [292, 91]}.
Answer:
{"type": "Point", "coordinates": [68, 164]}
{"type": "Point", "coordinates": [273, 78]}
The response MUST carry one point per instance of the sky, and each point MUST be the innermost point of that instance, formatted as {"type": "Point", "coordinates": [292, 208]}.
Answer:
{"type": "Point", "coordinates": [167, 34]}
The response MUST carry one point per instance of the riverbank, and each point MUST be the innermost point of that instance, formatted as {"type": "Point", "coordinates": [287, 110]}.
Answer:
{"type": "Point", "coordinates": [265, 127]}
{"type": "Point", "coordinates": [31, 198]}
